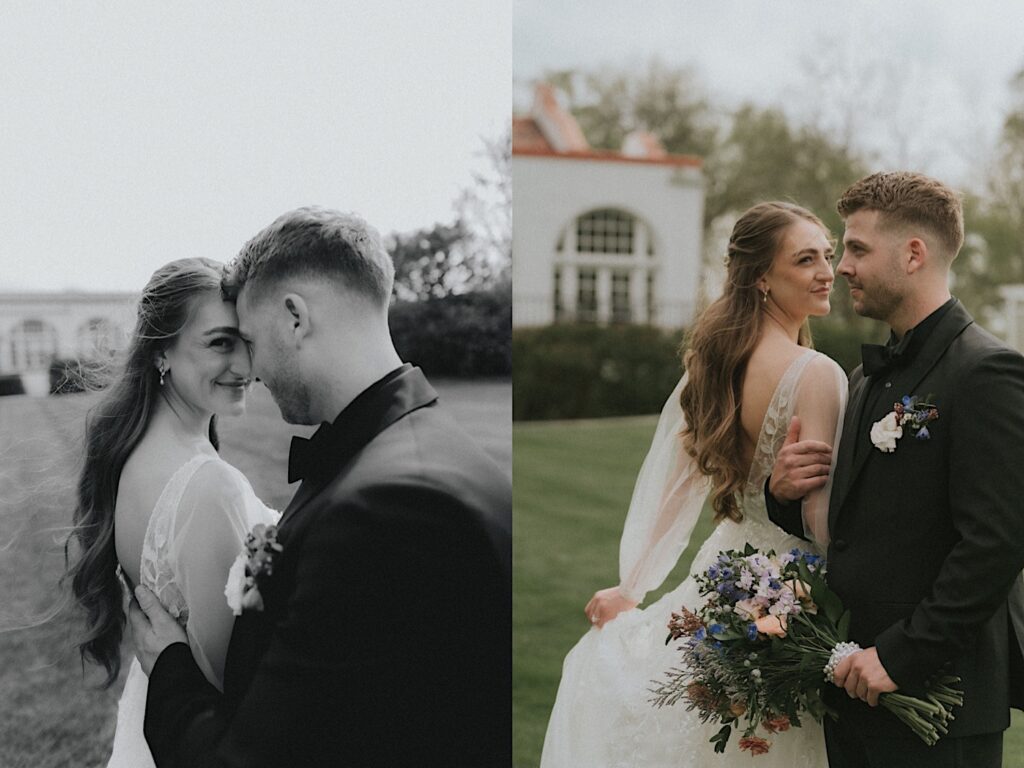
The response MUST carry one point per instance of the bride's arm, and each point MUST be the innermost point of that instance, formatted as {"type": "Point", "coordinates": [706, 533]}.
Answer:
{"type": "Point", "coordinates": [820, 406]}
{"type": "Point", "coordinates": [209, 531]}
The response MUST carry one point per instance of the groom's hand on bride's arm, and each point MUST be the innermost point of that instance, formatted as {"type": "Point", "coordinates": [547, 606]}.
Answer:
{"type": "Point", "coordinates": [801, 466]}
{"type": "Point", "coordinates": [153, 628]}
{"type": "Point", "coordinates": [606, 605]}
{"type": "Point", "coordinates": [864, 677]}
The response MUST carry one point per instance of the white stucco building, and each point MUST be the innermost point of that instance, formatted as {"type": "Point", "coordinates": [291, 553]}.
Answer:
{"type": "Point", "coordinates": [599, 236]}
{"type": "Point", "coordinates": [35, 328]}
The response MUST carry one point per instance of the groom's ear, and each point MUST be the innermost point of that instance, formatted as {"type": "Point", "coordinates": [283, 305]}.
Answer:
{"type": "Point", "coordinates": [916, 253]}
{"type": "Point", "coordinates": [298, 317]}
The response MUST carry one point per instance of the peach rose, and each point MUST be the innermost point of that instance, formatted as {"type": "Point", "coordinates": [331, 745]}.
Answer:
{"type": "Point", "coordinates": [773, 626]}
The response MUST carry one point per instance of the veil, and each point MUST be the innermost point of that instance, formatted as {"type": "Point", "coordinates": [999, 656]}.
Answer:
{"type": "Point", "coordinates": [667, 500]}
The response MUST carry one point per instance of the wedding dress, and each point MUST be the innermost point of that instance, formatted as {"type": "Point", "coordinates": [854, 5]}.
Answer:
{"type": "Point", "coordinates": [195, 532]}
{"type": "Point", "coordinates": [602, 717]}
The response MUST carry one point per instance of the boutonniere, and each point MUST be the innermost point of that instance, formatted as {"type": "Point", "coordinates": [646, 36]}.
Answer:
{"type": "Point", "coordinates": [251, 568]}
{"type": "Point", "coordinates": [912, 414]}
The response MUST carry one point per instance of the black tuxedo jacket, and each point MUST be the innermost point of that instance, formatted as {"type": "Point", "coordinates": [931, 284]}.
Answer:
{"type": "Point", "coordinates": [386, 634]}
{"type": "Point", "coordinates": [925, 542]}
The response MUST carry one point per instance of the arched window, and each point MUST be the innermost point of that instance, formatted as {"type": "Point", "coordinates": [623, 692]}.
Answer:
{"type": "Point", "coordinates": [605, 231]}
{"type": "Point", "coordinates": [33, 345]}
{"type": "Point", "coordinates": [605, 268]}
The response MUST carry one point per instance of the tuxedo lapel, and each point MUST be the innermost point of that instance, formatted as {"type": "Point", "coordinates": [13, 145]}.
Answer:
{"type": "Point", "coordinates": [365, 418]}
{"type": "Point", "coordinates": [844, 470]}
{"type": "Point", "coordinates": [951, 326]}
{"type": "Point", "coordinates": [851, 462]}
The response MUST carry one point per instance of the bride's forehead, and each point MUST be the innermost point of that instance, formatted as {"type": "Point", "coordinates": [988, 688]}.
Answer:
{"type": "Point", "coordinates": [212, 311]}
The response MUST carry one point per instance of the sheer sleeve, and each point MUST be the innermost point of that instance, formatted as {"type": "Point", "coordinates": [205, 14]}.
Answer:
{"type": "Point", "coordinates": [667, 500]}
{"type": "Point", "coordinates": [216, 512]}
{"type": "Point", "coordinates": [820, 403]}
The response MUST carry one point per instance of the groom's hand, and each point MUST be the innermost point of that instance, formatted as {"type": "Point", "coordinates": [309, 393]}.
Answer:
{"type": "Point", "coordinates": [801, 466]}
{"type": "Point", "coordinates": [153, 628]}
{"type": "Point", "coordinates": [864, 677]}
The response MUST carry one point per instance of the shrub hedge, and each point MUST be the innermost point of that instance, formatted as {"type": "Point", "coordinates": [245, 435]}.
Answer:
{"type": "Point", "coordinates": [463, 335]}
{"type": "Point", "coordinates": [585, 371]}
{"type": "Point", "coordinates": [10, 384]}
{"type": "Point", "coordinates": [578, 371]}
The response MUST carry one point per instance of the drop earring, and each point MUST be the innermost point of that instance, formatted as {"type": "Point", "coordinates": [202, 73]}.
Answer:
{"type": "Point", "coordinates": [162, 372]}
{"type": "Point", "coordinates": [764, 296]}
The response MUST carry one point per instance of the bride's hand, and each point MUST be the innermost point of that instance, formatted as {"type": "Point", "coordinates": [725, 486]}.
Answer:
{"type": "Point", "coordinates": [606, 605]}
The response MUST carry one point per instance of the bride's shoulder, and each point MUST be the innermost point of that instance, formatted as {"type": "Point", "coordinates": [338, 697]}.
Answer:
{"type": "Point", "coordinates": [214, 478]}
{"type": "Point", "coordinates": [216, 484]}
{"type": "Point", "coordinates": [823, 369]}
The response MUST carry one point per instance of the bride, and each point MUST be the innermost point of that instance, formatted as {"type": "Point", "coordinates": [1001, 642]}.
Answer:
{"type": "Point", "coordinates": [749, 371]}
{"type": "Point", "coordinates": [156, 504]}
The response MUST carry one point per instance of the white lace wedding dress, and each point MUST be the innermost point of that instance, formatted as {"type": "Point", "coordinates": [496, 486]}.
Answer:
{"type": "Point", "coordinates": [602, 717]}
{"type": "Point", "coordinates": [195, 532]}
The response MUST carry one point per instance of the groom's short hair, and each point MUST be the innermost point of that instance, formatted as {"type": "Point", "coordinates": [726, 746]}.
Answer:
{"type": "Point", "coordinates": [904, 198]}
{"type": "Point", "coordinates": [317, 243]}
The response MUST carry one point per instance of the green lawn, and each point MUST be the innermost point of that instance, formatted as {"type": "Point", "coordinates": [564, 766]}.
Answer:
{"type": "Point", "coordinates": [573, 482]}
{"type": "Point", "coordinates": [49, 715]}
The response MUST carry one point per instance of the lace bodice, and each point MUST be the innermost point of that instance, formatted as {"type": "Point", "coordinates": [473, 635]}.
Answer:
{"type": "Point", "coordinates": [772, 435]}
{"type": "Point", "coordinates": [195, 531]}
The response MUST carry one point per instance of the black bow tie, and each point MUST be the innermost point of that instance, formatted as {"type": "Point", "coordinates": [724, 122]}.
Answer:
{"type": "Point", "coordinates": [880, 358]}
{"type": "Point", "coordinates": [308, 457]}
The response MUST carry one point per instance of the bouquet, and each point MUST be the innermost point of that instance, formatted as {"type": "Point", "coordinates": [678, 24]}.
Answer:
{"type": "Point", "coordinates": [766, 641]}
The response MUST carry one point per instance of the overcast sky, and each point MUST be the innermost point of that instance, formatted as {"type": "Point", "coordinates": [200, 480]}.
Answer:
{"type": "Point", "coordinates": [923, 84]}
{"type": "Point", "coordinates": [135, 133]}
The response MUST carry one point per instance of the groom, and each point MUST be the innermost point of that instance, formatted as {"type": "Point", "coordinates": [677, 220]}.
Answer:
{"type": "Point", "coordinates": [926, 522]}
{"type": "Point", "coordinates": [381, 636]}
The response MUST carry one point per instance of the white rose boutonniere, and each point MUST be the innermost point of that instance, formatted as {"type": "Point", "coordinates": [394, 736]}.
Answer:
{"type": "Point", "coordinates": [251, 568]}
{"type": "Point", "coordinates": [886, 432]}
{"type": "Point", "coordinates": [913, 413]}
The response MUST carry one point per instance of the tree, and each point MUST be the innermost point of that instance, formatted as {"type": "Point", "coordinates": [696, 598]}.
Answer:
{"type": "Point", "coordinates": [664, 100]}
{"type": "Point", "coordinates": [485, 207]}
{"type": "Point", "coordinates": [434, 262]}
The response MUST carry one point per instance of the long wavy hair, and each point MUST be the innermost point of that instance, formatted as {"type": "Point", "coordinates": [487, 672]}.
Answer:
{"type": "Point", "coordinates": [113, 430]}
{"type": "Point", "coordinates": [719, 348]}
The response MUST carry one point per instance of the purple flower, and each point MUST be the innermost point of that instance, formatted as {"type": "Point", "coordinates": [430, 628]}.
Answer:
{"type": "Point", "coordinates": [751, 631]}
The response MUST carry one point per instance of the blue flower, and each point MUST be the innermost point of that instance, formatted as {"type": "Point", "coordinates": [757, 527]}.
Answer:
{"type": "Point", "coordinates": [923, 434]}
{"type": "Point", "coordinates": [774, 584]}
{"type": "Point", "coordinates": [700, 634]}
{"type": "Point", "coordinates": [715, 629]}
{"type": "Point", "coordinates": [907, 401]}
{"type": "Point", "coordinates": [713, 572]}
{"type": "Point", "coordinates": [752, 631]}
{"type": "Point", "coordinates": [726, 573]}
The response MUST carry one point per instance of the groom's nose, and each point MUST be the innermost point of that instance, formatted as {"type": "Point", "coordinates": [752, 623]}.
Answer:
{"type": "Point", "coordinates": [844, 266]}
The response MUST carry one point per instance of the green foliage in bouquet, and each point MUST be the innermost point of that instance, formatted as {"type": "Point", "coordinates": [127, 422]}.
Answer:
{"type": "Point", "coordinates": [764, 645]}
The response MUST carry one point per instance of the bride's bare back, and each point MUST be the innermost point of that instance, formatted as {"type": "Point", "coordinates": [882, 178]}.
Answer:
{"type": "Point", "coordinates": [768, 363]}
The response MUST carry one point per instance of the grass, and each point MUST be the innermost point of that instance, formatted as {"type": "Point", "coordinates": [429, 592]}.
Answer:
{"type": "Point", "coordinates": [51, 715]}
{"type": "Point", "coordinates": [573, 481]}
